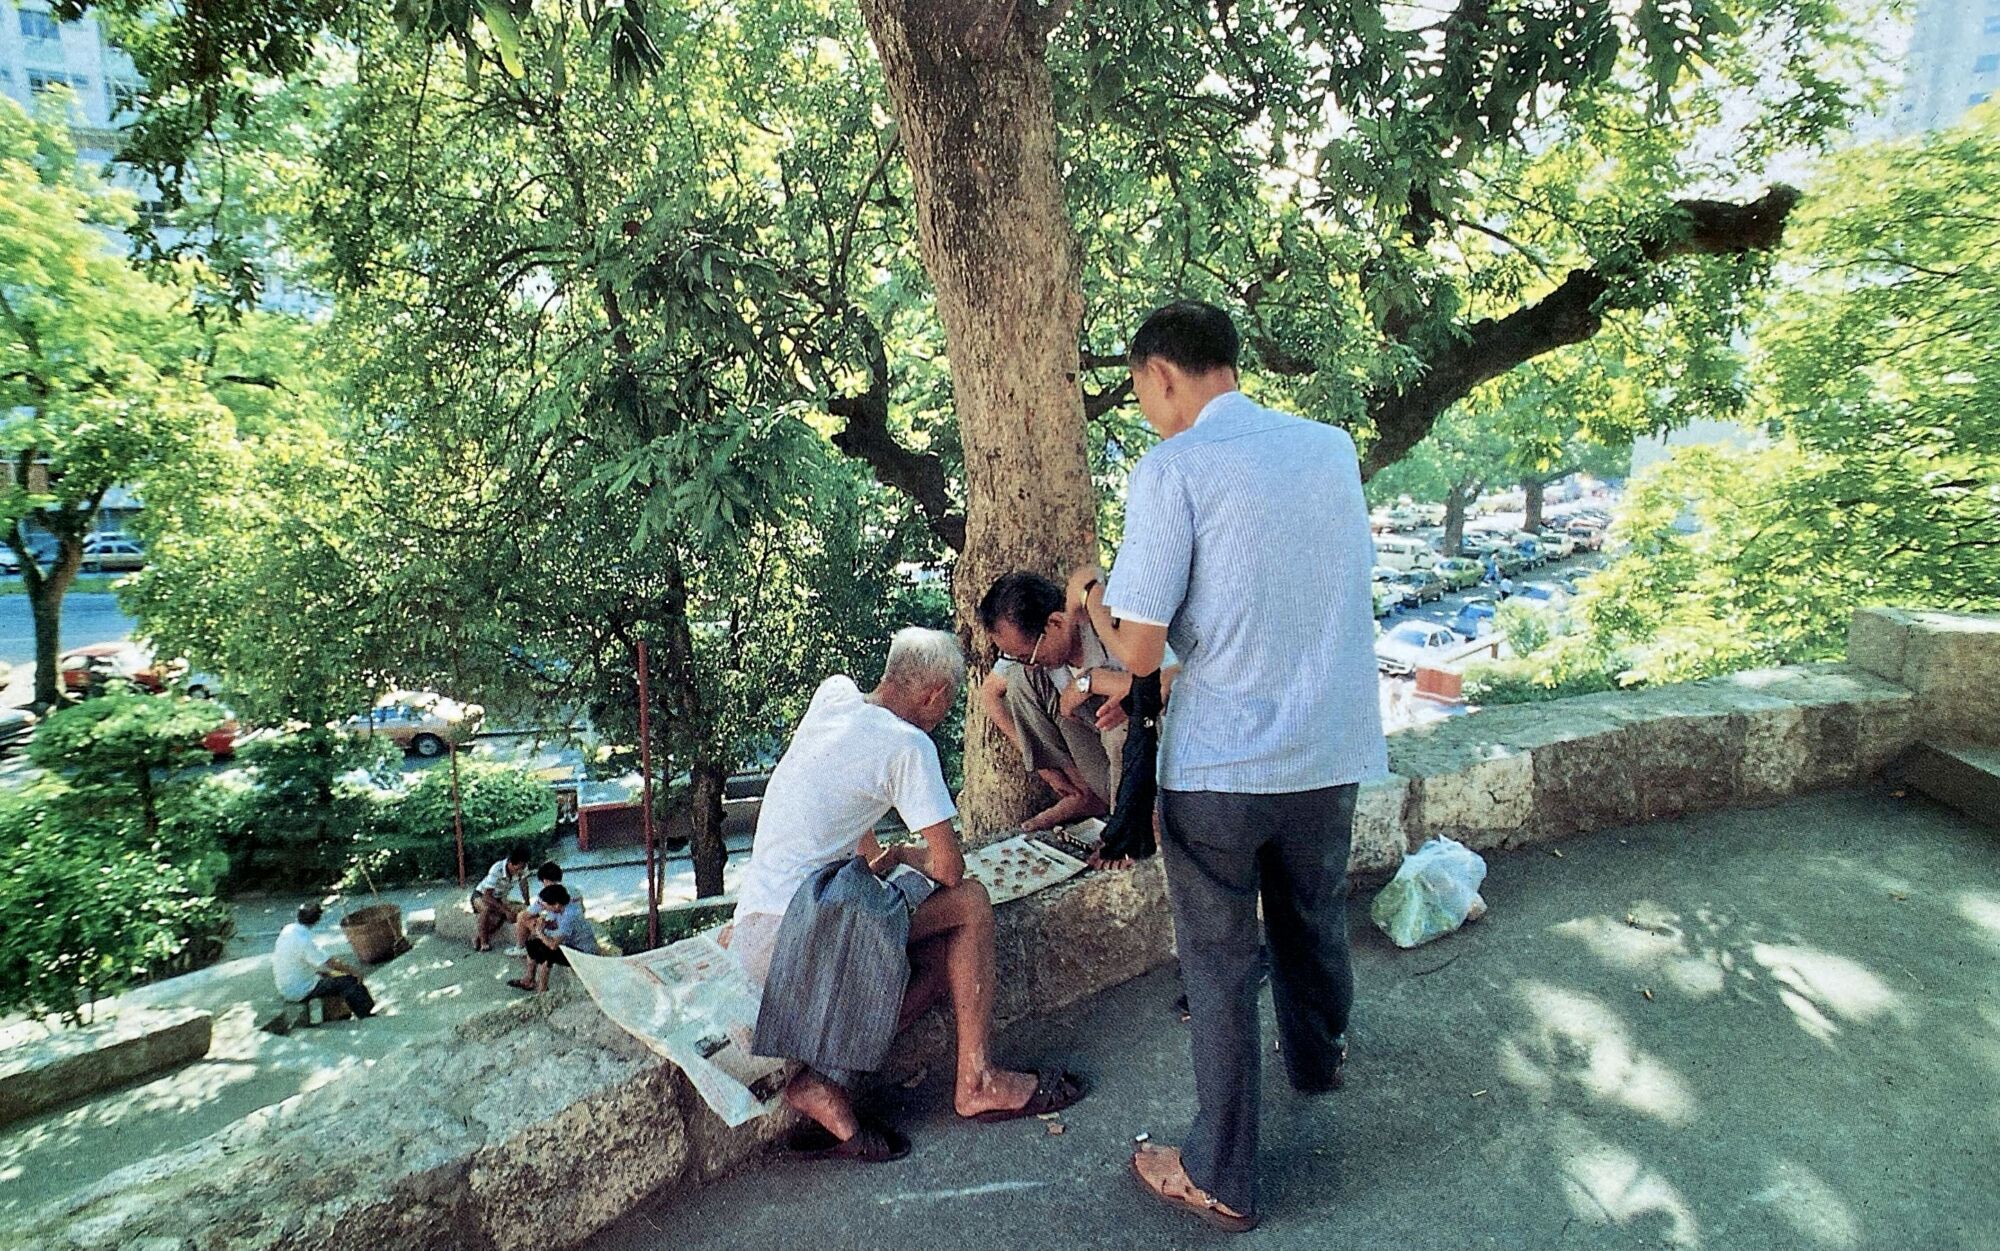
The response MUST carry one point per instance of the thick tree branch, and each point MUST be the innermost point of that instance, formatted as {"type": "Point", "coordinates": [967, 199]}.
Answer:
{"type": "Point", "coordinates": [1098, 403]}
{"type": "Point", "coordinates": [919, 475]}
{"type": "Point", "coordinates": [1570, 314]}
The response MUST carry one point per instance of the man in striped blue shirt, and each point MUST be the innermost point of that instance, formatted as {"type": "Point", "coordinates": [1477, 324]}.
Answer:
{"type": "Point", "coordinates": [1247, 547]}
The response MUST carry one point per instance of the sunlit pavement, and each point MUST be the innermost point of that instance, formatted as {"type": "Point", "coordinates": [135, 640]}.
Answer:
{"type": "Point", "coordinates": [1766, 1028]}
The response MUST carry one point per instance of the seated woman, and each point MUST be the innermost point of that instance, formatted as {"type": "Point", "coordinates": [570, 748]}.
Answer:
{"type": "Point", "coordinates": [563, 926]}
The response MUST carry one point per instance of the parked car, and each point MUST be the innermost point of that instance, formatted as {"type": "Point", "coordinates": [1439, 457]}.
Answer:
{"type": "Point", "coordinates": [1402, 552]}
{"type": "Point", "coordinates": [1410, 644]}
{"type": "Point", "coordinates": [220, 742]}
{"type": "Point", "coordinates": [1589, 535]}
{"type": "Point", "coordinates": [1474, 618]}
{"type": "Point", "coordinates": [1459, 573]}
{"type": "Point", "coordinates": [1542, 593]}
{"type": "Point", "coordinates": [421, 722]}
{"type": "Point", "coordinates": [17, 726]}
{"type": "Point", "coordinates": [88, 668]}
{"type": "Point", "coordinates": [111, 552]}
{"type": "Point", "coordinates": [1426, 582]}
{"type": "Point", "coordinates": [1559, 544]}
{"type": "Point", "coordinates": [1399, 583]}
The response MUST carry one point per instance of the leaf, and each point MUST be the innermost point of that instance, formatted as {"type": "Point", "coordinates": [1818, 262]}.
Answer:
{"type": "Point", "coordinates": [506, 34]}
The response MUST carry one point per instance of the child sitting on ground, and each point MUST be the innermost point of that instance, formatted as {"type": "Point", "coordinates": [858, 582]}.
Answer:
{"type": "Point", "coordinates": [563, 926]}
{"type": "Point", "coordinates": [529, 923]}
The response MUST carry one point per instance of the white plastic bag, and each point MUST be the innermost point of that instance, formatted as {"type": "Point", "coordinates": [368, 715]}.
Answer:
{"type": "Point", "coordinates": [1433, 893]}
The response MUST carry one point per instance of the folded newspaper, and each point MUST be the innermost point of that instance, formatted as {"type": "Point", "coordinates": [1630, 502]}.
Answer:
{"type": "Point", "coordinates": [691, 1002]}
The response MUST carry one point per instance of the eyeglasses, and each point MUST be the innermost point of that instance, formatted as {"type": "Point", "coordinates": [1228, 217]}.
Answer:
{"type": "Point", "coordinates": [1037, 651]}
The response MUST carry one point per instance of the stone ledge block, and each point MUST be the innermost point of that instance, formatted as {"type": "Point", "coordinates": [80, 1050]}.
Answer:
{"type": "Point", "coordinates": [543, 1122]}
{"type": "Point", "coordinates": [1381, 826]}
{"type": "Point", "coordinates": [452, 918]}
{"type": "Point", "coordinates": [1878, 640]}
{"type": "Point", "coordinates": [57, 1066]}
{"type": "Point", "coordinates": [1953, 666]}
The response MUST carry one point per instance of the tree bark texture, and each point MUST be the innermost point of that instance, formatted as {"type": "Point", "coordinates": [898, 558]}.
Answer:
{"type": "Point", "coordinates": [972, 94]}
{"type": "Point", "coordinates": [45, 599]}
{"type": "Point", "coordinates": [1532, 492]}
{"type": "Point", "coordinates": [1456, 500]}
{"type": "Point", "coordinates": [705, 845]}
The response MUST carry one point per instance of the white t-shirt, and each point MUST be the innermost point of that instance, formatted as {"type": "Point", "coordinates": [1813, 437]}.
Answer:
{"type": "Point", "coordinates": [497, 878]}
{"type": "Point", "coordinates": [295, 962]}
{"type": "Point", "coordinates": [848, 764]}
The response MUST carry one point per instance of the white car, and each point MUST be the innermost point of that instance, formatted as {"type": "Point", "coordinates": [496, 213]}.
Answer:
{"type": "Point", "coordinates": [1413, 643]}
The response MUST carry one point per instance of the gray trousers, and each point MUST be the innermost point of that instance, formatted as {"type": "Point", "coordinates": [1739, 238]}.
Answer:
{"type": "Point", "coordinates": [1222, 850]}
{"type": "Point", "coordinates": [1050, 740]}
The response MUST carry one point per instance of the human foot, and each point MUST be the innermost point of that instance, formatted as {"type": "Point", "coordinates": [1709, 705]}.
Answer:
{"type": "Point", "coordinates": [1063, 811]}
{"type": "Point", "coordinates": [1160, 1171]}
{"type": "Point", "coordinates": [1006, 1096]}
{"type": "Point", "coordinates": [823, 1103]}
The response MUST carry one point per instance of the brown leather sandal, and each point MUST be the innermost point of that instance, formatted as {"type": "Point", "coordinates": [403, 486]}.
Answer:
{"type": "Point", "coordinates": [1178, 1191]}
{"type": "Point", "coordinates": [873, 1143]}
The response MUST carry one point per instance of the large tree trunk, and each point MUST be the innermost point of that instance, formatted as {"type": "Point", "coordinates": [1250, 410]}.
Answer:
{"type": "Point", "coordinates": [1532, 490]}
{"type": "Point", "coordinates": [971, 92]}
{"type": "Point", "coordinates": [45, 599]}
{"type": "Point", "coordinates": [705, 844]}
{"type": "Point", "coordinates": [1456, 498]}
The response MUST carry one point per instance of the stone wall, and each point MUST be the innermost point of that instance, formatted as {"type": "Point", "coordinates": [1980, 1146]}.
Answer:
{"type": "Point", "coordinates": [542, 1124]}
{"type": "Point", "coordinates": [1533, 772]}
{"type": "Point", "coordinates": [548, 1122]}
{"type": "Point", "coordinates": [1950, 662]}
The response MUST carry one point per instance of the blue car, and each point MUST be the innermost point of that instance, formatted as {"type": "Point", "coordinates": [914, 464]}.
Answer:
{"type": "Point", "coordinates": [1474, 619]}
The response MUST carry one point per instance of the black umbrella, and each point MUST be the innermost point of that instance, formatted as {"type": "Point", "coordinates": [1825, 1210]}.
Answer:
{"type": "Point", "coordinates": [1128, 835]}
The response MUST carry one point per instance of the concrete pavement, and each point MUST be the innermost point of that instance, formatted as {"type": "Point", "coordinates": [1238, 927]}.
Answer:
{"type": "Point", "coordinates": [1817, 1065]}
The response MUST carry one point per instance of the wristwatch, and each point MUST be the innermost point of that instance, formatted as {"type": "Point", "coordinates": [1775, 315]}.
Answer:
{"type": "Point", "coordinates": [1083, 682]}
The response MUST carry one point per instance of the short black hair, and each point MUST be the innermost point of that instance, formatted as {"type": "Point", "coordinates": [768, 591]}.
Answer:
{"type": "Point", "coordinates": [555, 896]}
{"type": "Point", "coordinates": [517, 854]}
{"type": "Point", "coordinates": [309, 914]}
{"type": "Point", "coordinates": [1196, 336]}
{"type": "Point", "coordinates": [1023, 599]}
{"type": "Point", "coordinates": [549, 872]}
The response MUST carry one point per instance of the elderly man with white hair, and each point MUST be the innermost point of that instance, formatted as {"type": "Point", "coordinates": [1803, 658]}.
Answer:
{"type": "Point", "coordinates": [852, 941]}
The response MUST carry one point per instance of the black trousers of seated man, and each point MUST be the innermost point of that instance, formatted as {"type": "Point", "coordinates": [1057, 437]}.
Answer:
{"type": "Point", "coordinates": [346, 987]}
{"type": "Point", "coordinates": [1222, 850]}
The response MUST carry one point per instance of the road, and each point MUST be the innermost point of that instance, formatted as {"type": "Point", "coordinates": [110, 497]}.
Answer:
{"type": "Point", "coordinates": [86, 618]}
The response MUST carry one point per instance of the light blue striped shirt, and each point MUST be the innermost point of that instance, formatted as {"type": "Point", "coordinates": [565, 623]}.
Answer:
{"type": "Point", "coordinates": [1247, 537]}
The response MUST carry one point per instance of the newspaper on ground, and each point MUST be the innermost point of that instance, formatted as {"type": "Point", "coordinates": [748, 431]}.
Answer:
{"type": "Point", "coordinates": [692, 1003]}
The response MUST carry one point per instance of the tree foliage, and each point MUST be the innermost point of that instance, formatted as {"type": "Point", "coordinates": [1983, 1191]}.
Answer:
{"type": "Point", "coordinates": [1879, 479]}
{"type": "Point", "coordinates": [103, 376]}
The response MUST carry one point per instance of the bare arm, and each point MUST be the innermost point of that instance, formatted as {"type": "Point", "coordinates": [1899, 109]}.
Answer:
{"type": "Point", "coordinates": [1134, 644]}
{"type": "Point", "coordinates": [993, 701]}
{"type": "Point", "coordinates": [941, 859]}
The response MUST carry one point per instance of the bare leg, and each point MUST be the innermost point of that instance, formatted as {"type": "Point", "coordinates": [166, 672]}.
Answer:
{"type": "Point", "coordinates": [1074, 801]}
{"type": "Point", "coordinates": [928, 982]}
{"type": "Point", "coordinates": [960, 920]}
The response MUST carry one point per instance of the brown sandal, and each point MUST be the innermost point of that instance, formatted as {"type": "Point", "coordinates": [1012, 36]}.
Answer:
{"type": "Point", "coordinates": [1188, 1197]}
{"type": "Point", "coordinates": [1055, 1089]}
{"type": "Point", "coordinates": [873, 1143]}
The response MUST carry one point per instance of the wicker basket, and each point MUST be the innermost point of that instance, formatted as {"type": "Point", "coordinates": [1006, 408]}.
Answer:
{"type": "Point", "coordinates": [375, 932]}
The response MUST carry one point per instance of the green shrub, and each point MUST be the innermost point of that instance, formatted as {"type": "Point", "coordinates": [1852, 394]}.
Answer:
{"type": "Point", "coordinates": [413, 838]}
{"type": "Point", "coordinates": [91, 907]}
{"type": "Point", "coordinates": [627, 930]}
{"type": "Point", "coordinates": [1566, 665]}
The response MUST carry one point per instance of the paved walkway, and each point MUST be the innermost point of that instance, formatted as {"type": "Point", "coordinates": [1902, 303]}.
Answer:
{"type": "Point", "coordinates": [1818, 1065]}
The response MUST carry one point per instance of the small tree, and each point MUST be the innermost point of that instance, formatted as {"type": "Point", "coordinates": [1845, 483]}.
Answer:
{"type": "Point", "coordinates": [102, 372]}
{"type": "Point", "coordinates": [118, 746]}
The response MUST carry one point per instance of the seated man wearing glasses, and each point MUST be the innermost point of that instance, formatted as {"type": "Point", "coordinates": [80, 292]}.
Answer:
{"type": "Point", "coordinates": [1056, 694]}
